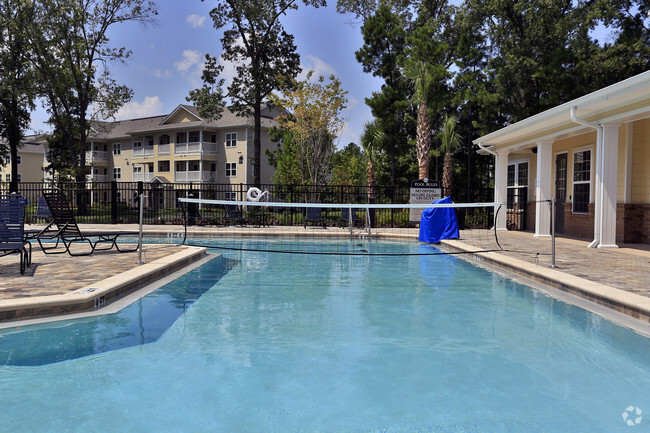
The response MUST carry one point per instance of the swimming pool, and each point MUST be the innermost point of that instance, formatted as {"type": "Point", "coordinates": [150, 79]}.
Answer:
{"type": "Point", "coordinates": [267, 342]}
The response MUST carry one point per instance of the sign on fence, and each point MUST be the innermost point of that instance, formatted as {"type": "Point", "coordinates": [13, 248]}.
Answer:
{"type": "Point", "coordinates": [423, 191]}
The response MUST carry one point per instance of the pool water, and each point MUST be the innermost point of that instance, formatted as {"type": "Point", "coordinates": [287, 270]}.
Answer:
{"type": "Point", "coordinates": [270, 342]}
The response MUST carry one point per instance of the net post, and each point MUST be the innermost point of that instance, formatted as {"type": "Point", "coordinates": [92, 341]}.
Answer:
{"type": "Point", "coordinates": [350, 221]}
{"type": "Point", "coordinates": [552, 203]}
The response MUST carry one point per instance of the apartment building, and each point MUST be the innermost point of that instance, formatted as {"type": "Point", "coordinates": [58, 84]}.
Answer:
{"type": "Point", "coordinates": [180, 147]}
{"type": "Point", "coordinates": [30, 162]}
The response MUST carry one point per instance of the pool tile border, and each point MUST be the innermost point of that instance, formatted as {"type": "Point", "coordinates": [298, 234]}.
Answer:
{"type": "Point", "coordinates": [100, 293]}
{"type": "Point", "coordinates": [630, 304]}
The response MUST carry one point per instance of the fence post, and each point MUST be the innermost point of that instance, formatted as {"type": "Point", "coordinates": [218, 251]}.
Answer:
{"type": "Point", "coordinates": [113, 202]}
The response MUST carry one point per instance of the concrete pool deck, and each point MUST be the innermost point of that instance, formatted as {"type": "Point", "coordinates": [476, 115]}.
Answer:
{"type": "Point", "coordinates": [618, 279]}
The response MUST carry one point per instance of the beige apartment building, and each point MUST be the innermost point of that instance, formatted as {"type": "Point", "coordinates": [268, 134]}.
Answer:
{"type": "Point", "coordinates": [180, 147]}
{"type": "Point", "coordinates": [30, 162]}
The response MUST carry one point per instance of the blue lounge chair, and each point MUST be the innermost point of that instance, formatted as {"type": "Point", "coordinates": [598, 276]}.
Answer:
{"type": "Point", "coordinates": [345, 218]}
{"type": "Point", "coordinates": [314, 215]}
{"type": "Point", "coordinates": [12, 230]}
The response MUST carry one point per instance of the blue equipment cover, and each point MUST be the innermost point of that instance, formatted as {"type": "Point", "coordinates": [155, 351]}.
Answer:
{"type": "Point", "coordinates": [438, 223]}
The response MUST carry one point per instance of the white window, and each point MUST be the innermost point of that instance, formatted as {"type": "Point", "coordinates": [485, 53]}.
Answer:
{"type": "Point", "coordinates": [117, 148]}
{"type": "Point", "coordinates": [517, 179]}
{"type": "Point", "coordinates": [231, 139]}
{"type": "Point", "coordinates": [231, 196]}
{"type": "Point", "coordinates": [231, 169]}
{"type": "Point", "coordinates": [19, 160]}
{"type": "Point", "coordinates": [20, 177]}
{"type": "Point", "coordinates": [8, 177]}
{"type": "Point", "coordinates": [581, 181]}
{"type": "Point", "coordinates": [137, 144]}
{"type": "Point", "coordinates": [137, 169]}
{"type": "Point", "coordinates": [117, 173]}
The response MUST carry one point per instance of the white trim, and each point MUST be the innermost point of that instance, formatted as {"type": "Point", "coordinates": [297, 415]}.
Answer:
{"type": "Point", "coordinates": [225, 139]}
{"type": "Point", "coordinates": [592, 158]}
{"type": "Point", "coordinates": [626, 93]}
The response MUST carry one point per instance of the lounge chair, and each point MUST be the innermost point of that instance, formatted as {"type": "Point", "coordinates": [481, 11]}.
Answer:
{"type": "Point", "coordinates": [64, 229]}
{"type": "Point", "coordinates": [314, 215]}
{"type": "Point", "coordinates": [12, 230]}
{"type": "Point", "coordinates": [345, 217]}
{"type": "Point", "coordinates": [234, 215]}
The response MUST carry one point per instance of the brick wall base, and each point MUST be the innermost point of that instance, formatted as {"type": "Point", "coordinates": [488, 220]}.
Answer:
{"type": "Point", "coordinates": [633, 223]}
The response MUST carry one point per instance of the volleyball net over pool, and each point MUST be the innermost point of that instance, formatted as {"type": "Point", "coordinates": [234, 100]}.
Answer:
{"type": "Point", "coordinates": [335, 228]}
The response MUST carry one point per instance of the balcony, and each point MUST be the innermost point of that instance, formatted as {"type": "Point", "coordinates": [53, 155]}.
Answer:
{"type": "Point", "coordinates": [163, 149]}
{"type": "Point", "coordinates": [143, 151]}
{"type": "Point", "coordinates": [195, 148]}
{"type": "Point", "coordinates": [195, 176]}
{"type": "Point", "coordinates": [97, 178]}
{"type": "Point", "coordinates": [144, 177]}
{"type": "Point", "coordinates": [96, 156]}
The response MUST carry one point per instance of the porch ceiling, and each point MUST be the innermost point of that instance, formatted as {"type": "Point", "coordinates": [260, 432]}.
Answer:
{"type": "Point", "coordinates": [624, 101]}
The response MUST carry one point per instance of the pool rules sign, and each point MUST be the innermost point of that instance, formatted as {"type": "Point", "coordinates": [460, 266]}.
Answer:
{"type": "Point", "coordinates": [423, 191]}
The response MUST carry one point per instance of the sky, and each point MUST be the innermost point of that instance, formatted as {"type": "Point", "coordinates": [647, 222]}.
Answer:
{"type": "Point", "coordinates": [167, 59]}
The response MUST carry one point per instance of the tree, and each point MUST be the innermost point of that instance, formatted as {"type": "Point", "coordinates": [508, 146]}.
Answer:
{"type": "Point", "coordinates": [289, 166]}
{"type": "Point", "coordinates": [384, 37]}
{"type": "Point", "coordinates": [256, 42]}
{"type": "Point", "coordinates": [449, 141]}
{"type": "Point", "coordinates": [349, 166]}
{"type": "Point", "coordinates": [71, 52]}
{"type": "Point", "coordinates": [16, 80]}
{"type": "Point", "coordinates": [371, 137]}
{"type": "Point", "coordinates": [313, 116]}
{"type": "Point", "coordinates": [420, 73]}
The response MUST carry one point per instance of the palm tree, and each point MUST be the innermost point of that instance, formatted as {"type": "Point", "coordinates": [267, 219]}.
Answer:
{"type": "Point", "coordinates": [449, 142]}
{"type": "Point", "coordinates": [422, 75]}
{"type": "Point", "coordinates": [370, 137]}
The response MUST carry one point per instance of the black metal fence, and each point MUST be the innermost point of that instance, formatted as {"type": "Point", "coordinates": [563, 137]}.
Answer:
{"type": "Point", "coordinates": [118, 202]}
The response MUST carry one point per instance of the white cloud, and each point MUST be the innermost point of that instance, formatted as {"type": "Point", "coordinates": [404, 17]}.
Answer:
{"type": "Point", "coordinates": [190, 58]}
{"type": "Point", "coordinates": [191, 67]}
{"type": "Point", "coordinates": [162, 74]}
{"type": "Point", "coordinates": [317, 65]}
{"type": "Point", "coordinates": [151, 106]}
{"type": "Point", "coordinates": [195, 20]}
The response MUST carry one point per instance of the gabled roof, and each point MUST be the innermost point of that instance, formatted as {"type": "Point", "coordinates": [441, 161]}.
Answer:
{"type": "Point", "coordinates": [624, 101]}
{"type": "Point", "coordinates": [125, 129]}
{"type": "Point", "coordinates": [186, 108]}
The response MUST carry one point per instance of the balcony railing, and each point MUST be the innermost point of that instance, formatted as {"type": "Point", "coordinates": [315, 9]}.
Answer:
{"type": "Point", "coordinates": [97, 178]}
{"type": "Point", "coordinates": [97, 155]}
{"type": "Point", "coordinates": [163, 149]}
{"type": "Point", "coordinates": [143, 151]}
{"type": "Point", "coordinates": [195, 176]}
{"type": "Point", "coordinates": [144, 177]}
{"type": "Point", "coordinates": [194, 148]}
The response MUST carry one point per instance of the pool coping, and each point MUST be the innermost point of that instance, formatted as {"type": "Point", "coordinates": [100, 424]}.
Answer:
{"type": "Point", "coordinates": [622, 301]}
{"type": "Point", "coordinates": [100, 293]}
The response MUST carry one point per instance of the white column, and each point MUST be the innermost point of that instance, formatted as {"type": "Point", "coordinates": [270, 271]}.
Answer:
{"type": "Point", "coordinates": [608, 185]}
{"type": "Point", "coordinates": [501, 187]}
{"type": "Point", "coordinates": [543, 188]}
